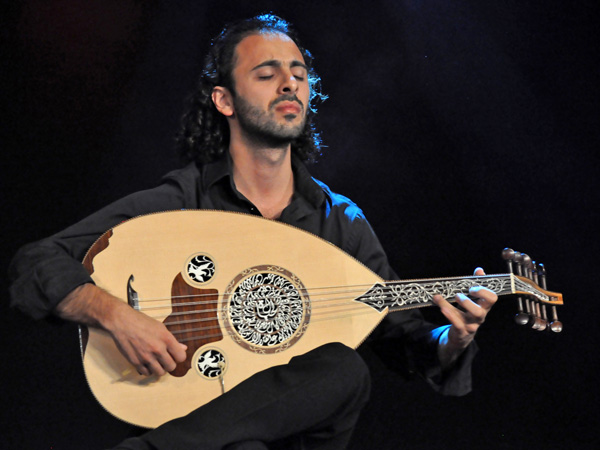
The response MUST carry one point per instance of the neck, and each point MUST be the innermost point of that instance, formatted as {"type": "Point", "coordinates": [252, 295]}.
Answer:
{"type": "Point", "coordinates": [264, 176]}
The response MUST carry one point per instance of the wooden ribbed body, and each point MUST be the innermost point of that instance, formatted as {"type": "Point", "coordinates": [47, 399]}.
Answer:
{"type": "Point", "coordinates": [156, 248]}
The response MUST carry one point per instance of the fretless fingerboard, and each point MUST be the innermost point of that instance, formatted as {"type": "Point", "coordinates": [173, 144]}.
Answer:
{"type": "Point", "coordinates": [407, 294]}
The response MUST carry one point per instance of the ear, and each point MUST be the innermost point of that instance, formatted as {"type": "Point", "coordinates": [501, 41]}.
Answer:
{"type": "Point", "coordinates": [223, 100]}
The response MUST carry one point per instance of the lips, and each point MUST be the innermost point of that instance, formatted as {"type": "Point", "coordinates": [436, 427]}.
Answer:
{"type": "Point", "coordinates": [288, 107]}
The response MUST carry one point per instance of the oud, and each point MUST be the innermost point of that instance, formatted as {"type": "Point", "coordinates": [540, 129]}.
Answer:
{"type": "Point", "coordinates": [244, 294]}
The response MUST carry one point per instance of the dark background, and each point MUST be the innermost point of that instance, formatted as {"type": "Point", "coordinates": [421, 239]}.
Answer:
{"type": "Point", "coordinates": [459, 127]}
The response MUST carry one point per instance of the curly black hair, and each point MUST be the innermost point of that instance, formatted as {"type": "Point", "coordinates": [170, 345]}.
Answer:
{"type": "Point", "coordinates": [204, 133]}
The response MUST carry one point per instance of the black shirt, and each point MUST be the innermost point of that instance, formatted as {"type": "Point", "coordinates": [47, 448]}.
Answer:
{"type": "Point", "coordinates": [44, 272]}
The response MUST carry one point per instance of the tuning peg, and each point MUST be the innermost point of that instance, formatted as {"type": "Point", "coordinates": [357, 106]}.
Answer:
{"type": "Point", "coordinates": [521, 318]}
{"type": "Point", "coordinates": [527, 265]}
{"type": "Point", "coordinates": [534, 313]}
{"type": "Point", "coordinates": [534, 320]}
{"type": "Point", "coordinates": [519, 263]}
{"type": "Point", "coordinates": [542, 275]}
{"type": "Point", "coordinates": [508, 254]}
{"type": "Point", "coordinates": [540, 318]}
{"type": "Point", "coordinates": [524, 266]}
{"type": "Point", "coordinates": [556, 325]}
{"type": "Point", "coordinates": [540, 309]}
{"type": "Point", "coordinates": [534, 272]}
{"type": "Point", "coordinates": [537, 321]}
{"type": "Point", "coordinates": [544, 316]}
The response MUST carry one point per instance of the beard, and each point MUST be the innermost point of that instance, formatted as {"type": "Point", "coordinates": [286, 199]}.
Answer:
{"type": "Point", "coordinates": [260, 125]}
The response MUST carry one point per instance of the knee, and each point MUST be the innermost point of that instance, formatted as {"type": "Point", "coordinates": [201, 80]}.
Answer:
{"type": "Point", "coordinates": [346, 367]}
{"type": "Point", "coordinates": [337, 369]}
{"type": "Point", "coordinates": [346, 359]}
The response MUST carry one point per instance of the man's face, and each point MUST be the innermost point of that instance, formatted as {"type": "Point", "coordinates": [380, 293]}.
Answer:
{"type": "Point", "coordinates": [271, 86]}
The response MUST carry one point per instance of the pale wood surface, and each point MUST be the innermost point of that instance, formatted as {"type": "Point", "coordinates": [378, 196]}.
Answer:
{"type": "Point", "coordinates": [155, 248]}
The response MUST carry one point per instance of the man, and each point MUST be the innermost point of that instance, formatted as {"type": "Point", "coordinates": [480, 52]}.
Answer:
{"type": "Point", "coordinates": [248, 132]}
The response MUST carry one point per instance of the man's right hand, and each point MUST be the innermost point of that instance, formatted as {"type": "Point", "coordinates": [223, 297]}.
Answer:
{"type": "Point", "coordinates": [145, 342]}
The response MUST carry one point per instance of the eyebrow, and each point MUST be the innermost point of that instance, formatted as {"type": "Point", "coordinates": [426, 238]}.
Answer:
{"type": "Point", "coordinates": [277, 63]}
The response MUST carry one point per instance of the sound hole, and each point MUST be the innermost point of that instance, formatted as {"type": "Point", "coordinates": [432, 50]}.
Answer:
{"type": "Point", "coordinates": [267, 309]}
{"type": "Point", "coordinates": [211, 363]}
{"type": "Point", "coordinates": [200, 268]}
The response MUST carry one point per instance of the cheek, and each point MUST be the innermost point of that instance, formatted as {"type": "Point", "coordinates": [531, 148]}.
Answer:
{"type": "Point", "coordinates": [304, 94]}
{"type": "Point", "coordinates": [252, 93]}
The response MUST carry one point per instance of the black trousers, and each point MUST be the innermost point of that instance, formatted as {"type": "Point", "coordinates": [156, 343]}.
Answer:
{"type": "Point", "coordinates": [313, 402]}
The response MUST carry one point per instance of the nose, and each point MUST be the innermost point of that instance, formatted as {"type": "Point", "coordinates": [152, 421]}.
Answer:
{"type": "Point", "coordinates": [289, 84]}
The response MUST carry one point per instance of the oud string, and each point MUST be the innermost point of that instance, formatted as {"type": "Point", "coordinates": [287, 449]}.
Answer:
{"type": "Point", "coordinates": [313, 292]}
{"type": "Point", "coordinates": [229, 331]}
{"type": "Point", "coordinates": [321, 308]}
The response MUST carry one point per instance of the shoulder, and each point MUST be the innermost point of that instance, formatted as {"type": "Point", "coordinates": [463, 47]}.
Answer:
{"type": "Point", "coordinates": [340, 202]}
{"type": "Point", "coordinates": [353, 232]}
{"type": "Point", "coordinates": [185, 180]}
{"type": "Point", "coordinates": [345, 220]}
{"type": "Point", "coordinates": [185, 175]}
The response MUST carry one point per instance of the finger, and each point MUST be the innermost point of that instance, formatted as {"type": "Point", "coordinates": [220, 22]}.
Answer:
{"type": "Point", "coordinates": [174, 352]}
{"type": "Point", "coordinates": [133, 357]}
{"type": "Point", "coordinates": [475, 312]}
{"type": "Point", "coordinates": [177, 351]}
{"type": "Point", "coordinates": [167, 363]}
{"type": "Point", "coordinates": [484, 297]}
{"type": "Point", "coordinates": [145, 369]}
{"type": "Point", "coordinates": [149, 366]}
{"type": "Point", "coordinates": [442, 303]}
{"type": "Point", "coordinates": [155, 367]}
{"type": "Point", "coordinates": [151, 359]}
{"type": "Point", "coordinates": [142, 369]}
{"type": "Point", "coordinates": [479, 272]}
{"type": "Point", "coordinates": [454, 316]}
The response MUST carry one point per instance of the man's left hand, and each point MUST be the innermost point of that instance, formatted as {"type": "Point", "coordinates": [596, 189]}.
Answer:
{"type": "Point", "coordinates": [465, 320]}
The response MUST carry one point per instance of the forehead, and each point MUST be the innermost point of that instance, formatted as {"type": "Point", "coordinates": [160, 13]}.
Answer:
{"type": "Point", "coordinates": [266, 46]}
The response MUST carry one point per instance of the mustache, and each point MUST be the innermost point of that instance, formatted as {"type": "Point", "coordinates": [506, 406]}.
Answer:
{"type": "Point", "coordinates": [287, 98]}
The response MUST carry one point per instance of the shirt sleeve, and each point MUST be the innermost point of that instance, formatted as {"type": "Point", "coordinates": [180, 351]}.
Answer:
{"type": "Point", "coordinates": [44, 272]}
{"type": "Point", "coordinates": [404, 340]}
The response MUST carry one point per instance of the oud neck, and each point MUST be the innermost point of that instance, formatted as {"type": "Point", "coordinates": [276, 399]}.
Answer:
{"type": "Point", "coordinates": [408, 294]}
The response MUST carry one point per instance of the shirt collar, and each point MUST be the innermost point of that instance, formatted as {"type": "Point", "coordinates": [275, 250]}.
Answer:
{"type": "Point", "coordinates": [215, 171]}
{"type": "Point", "coordinates": [304, 184]}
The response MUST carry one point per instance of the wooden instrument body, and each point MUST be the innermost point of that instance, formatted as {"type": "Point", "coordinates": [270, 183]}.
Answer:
{"type": "Point", "coordinates": [155, 249]}
{"type": "Point", "coordinates": [244, 294]}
